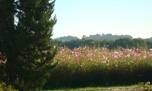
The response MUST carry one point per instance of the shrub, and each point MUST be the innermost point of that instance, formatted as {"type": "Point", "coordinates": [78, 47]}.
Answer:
{"type": "Point", "coordinates": [145, 86]}
{"type": "Point", "coordinates": [3, 87]}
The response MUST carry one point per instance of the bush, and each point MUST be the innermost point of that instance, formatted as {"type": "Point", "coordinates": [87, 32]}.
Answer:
{"type": "Point", "coordinates": [145, 86]}
{"type": "Point", "coordinates": [3, 87]}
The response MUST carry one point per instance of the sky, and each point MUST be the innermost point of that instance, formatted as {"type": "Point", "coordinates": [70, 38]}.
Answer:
{"type": "Point", "coordinates": [89, 17]}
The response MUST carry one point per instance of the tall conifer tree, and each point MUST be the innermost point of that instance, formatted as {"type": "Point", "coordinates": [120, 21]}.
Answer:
{"type": "Point", "coordinates": [7, 11]}
{"type": "Point", "coordinates": [26, 43]}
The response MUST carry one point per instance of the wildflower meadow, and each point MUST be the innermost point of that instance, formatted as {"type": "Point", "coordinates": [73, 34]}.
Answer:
{"type": "Point", "coordinates": [99, 66]}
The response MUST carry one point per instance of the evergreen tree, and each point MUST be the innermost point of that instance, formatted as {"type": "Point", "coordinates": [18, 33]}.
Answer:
{"type": "Point", "coordinates": [7, 10]}
{"type": "Point", "coordinates": [26, 43]}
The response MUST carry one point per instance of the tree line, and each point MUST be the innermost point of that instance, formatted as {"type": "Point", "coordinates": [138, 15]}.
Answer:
{"type": "Point", "coordinates": [94, 37]}
{"type": "Point", "coordinates": [111, 44]}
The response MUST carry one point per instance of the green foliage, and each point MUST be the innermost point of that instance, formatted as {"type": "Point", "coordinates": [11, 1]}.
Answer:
{"type": "Point", "coordinates": [124, 42]}
{"type": "Point", "coordinates": [111, 44]}
{"type": "Point", "coordinates": [97, 37]}
{"type": "Point", "coordinates": [66, 38]}
{"type": "Point", "coordinates": [108, 37]}
{"type": "Point", "coordinates": [145, 86]}
{"type": "Point", "coordinates": [3, 87]}
{"type": "Point", "coordinates": [7, 13]}
{"type": "Point", "coordinates": [25, 44]}
{"type": "Point", "coordinates": [149, 39]}
{"type": "Point", "coordinates": [149, 44]}
{"type": "Point", "coordinates": [139, 42]}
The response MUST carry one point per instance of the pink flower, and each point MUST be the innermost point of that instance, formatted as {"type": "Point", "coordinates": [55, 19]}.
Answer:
{"type": "Point", "coordinates": [140, 52]}
{"type": "Point", "coordinates": [92, 42]}
{"type": "Point", "coordinates": [76, 53]}
{"type": "Point", "coordinates": [74, 60]}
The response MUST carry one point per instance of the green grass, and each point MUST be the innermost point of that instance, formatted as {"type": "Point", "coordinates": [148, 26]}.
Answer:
{"type": "Point", "coordinates": [118, 88]}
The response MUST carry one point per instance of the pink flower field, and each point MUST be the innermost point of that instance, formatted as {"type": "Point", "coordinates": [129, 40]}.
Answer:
{"type": "Point", "coordinates": [92, 66]}
{"type": "Point", "coordinates": [86, 56]}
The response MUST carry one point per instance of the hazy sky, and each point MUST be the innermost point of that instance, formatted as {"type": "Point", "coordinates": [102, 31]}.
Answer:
{"type": "Point", "coordinates": [89, 17]}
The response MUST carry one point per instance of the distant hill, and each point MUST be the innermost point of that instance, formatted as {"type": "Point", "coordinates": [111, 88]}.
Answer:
{"type": "Point", "coordinates": [95, 37]}
{"type": "Point", "coordinates": [149, 39]}
{"type": "Point", "coordinates": [113, 41]}
{"type": "Point", "coordinates": [108, 37]}
{"type": "Point", "coordinates": [66, 38]}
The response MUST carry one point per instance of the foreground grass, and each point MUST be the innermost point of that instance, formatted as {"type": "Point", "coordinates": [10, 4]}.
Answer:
{"type": "Point", "coordinates": [115, 88]}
